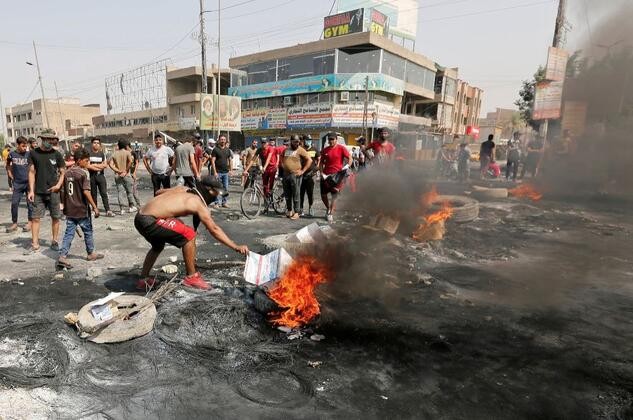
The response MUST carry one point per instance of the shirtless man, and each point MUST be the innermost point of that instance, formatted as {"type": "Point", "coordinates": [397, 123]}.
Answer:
{"type": "Point", "coordinates": [157, 222]}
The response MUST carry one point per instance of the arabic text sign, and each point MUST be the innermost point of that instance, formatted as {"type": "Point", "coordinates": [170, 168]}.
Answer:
{"type": "Point", "coordinates": [547, 100]}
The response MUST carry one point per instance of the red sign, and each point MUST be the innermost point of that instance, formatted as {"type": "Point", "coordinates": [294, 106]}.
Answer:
{"type": "Point", "coordinates": [472, 131]}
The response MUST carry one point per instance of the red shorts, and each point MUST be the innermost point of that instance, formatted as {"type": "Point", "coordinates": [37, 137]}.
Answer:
{"type": "Point", "coordinates": [158, 232]}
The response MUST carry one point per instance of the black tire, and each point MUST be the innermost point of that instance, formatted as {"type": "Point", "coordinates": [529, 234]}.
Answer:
{"type": "Point", "coordinates": [279, 201]}
{"type": "Point", "coordinates": [251, 203]}
{"type": "Point", "coordinates": [263, 303]}
{"type": "Point", "coordinates": [465, 209]}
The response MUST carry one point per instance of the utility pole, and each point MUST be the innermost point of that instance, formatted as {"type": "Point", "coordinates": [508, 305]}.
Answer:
{"type": "Point", "coordinates": [203, 48]}
{"type": "Point", "coordinates": [39, 78]}
{"type": "Point", "coordinates": [559, 27]}
{"type": "Point", "coordinates": [61, 120]}
{"type": "Point", "coordinates": [366, 106]}
{"type": "Point", "coordinates": [217, 137]}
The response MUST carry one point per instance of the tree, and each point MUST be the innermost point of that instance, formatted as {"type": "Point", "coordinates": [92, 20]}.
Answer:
{"type": "Point", "coordinates": [526, 97]}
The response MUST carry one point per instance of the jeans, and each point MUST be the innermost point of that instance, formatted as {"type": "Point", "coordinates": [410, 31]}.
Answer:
{"type": "Point", "coordinates": [292, 189]}
{"type": "Point", "coordinates": [98, 183]}
{"type": "Point", "coordinates": [307, 187]}
{"type": "Point", "coordinates": [135, 193]}
{"type": "Point", "coordinates": [19, 190]}
{"type": "Point", "coordinates": [160, 181]}
{"type": "Point", "coordinates": [71, 227]}
{"type": "Point", "coordinates": [512, 165]}
{"type": "Point", "coordinates": [126, 183]}
{"type": "Point", "coordinates": [223, 177]}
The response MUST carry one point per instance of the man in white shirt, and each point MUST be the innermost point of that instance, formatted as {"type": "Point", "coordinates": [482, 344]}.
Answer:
{"type": "Point", "coordinates": [157, 160]}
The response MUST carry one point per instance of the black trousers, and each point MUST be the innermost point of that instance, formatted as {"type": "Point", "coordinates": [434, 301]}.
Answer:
{"type": "Point", "coordinates": [512, 165]}
{"type": "Point", "coordinates": [292, 188]}
{"type": "Point", "coordinates": [307, 187]}
{"type": "Point", "coordinates": [160, 181]}
{"type": "Point", "coordinates": [99, 184]}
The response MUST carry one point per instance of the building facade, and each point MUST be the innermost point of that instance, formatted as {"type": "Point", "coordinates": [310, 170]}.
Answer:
{"type": "Point", "coordinates": [66, 116]}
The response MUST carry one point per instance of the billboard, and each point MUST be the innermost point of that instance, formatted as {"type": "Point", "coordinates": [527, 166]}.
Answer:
{"type": "Point", "coordinates": [343, 23]}
{"type": "Point", "coordinates": [402, 14]}
{"type": "Point", "coordinates": [310, 116]}
{"type": "Point", "coordinates": [264, 119]}
{"type": "Point", "coordinates": [556, 64]}
{"type": "Point", "coordinates": [547, 100]}
{"type": "Point", "coordinates": [351, 115]}
{"type": "Point", "coordinates": [323, 83]}
{"type": "Point", "coordinates": [379, 23]}
{"type": "Point", "coordinates": [230, 113]}
{"type": "Point", "coordinates": [574, 117]}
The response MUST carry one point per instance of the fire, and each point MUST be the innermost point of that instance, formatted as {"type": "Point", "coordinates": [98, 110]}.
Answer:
{"type": "Point", "coordinates": [294, 293]}
{"type": "Point", "coordinates": [433, 226]}
{"type": "Point", "coordinates": [429, 197]}
{"type": "Point", "coordinates": [526, 190]}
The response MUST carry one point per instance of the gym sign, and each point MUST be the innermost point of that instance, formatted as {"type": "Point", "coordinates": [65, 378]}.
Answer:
{"type": "Point", "coordinates": [343, 23]}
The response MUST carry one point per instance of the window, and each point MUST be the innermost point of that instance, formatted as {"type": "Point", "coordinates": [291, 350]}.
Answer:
{"type": "Point", "coordinates": [192, 110]}
{"type": "Point", "coordinates": [306, 65]}
{"type": "Point", "coordinates": [358, 61]}
{"type": "Point", "coordinates": [30, 116]}
{"type": "Point", "coordinates": [392, 65]}
{"type": "Point", "coordinates": [262, 72]}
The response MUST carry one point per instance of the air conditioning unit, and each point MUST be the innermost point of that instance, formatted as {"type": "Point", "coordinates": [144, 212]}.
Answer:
{"type": "Point", "coordinates": [344, 97]}
{"type": "Point", "coordinates": [288, 100]}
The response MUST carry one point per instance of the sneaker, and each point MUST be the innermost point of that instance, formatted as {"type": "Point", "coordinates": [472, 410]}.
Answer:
{"type": "Point", "coordinates": [132, 209]}
{"type": "Point", "coordinates": [145, 284]}
{"type": "Point", "coordinates": [122, 211]}
{"type": "Point", "coordinates": [54, 246]}
{"type": "Point", "coordinates": [330, 218]}
{"type": "Point", "coordinates": [196, 281]}
{"type": "Point", "coordinates": [301, 213]}
{"type": "Point", "coordinates": [94, 257]}
{"type": "Point", "coordinates": [310, 212]}
{"type": "Point", "coordinates": [109, 213]}
{"type": "Point", "coordinates": [12, 228]}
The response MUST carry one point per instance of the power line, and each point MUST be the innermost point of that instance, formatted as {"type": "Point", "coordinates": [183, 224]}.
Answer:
{"type": "Point", "coordinates": [482, 12]}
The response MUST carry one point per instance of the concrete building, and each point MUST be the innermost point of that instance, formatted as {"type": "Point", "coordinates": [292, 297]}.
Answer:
{"type": "Point", "coordinates": [182, 111]}
{"type": "Point", "coordinates": [467, 108]}
{"type": "Point", "coordinates": [66, 116]}
{"type": "Point", "coordinates": [502, 124]}
{"type": "Point", "coordinates": [320, 86]}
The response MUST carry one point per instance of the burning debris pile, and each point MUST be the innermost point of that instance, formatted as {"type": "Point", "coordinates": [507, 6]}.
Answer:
{"type": "Point", "coordinates": [526, 191]}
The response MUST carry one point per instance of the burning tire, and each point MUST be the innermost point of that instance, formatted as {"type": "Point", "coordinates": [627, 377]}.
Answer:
{"type": "Point", "coordinates": [490, 193]}
{"type": "Point", "coordinates": [464, 209]}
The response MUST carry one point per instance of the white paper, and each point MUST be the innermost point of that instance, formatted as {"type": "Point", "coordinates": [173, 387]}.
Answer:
{"type": "Point", "coordinates": [262, 269]}
{"type": "Point", "coordinates": [101, 312]}
{"type": "Point", "coordinates": [107, 299]}
{"type": "Point", "coordinates": [308, 235]}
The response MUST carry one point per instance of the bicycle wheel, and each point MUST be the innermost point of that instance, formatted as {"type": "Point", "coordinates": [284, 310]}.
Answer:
{"type": "Point", "coordinates": [278, 199]}
{"type": "Point", "coordinates": [251, 202]}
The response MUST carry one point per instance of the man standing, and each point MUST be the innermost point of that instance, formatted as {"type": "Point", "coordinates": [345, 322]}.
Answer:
{"type": "Point", "coordinates": [46, 177]}
{"type": "Point", "coordinates": [222, 164]}
{"type": "Point", "coordinates": [296, 162]}
{"type": "Point", "coordinates": [486, 155]}
{"type": "Point", "coordinates": [133, 168]}
{"type": "Point", "coordinates": [463, 163]}
{"type": "Point", "coordinates": [158, 222]}
{"type": "Point", "coordinates": [331, 166]}
{"type": "Point", "coordinates": [185, 163]}
{"type": "Point", "coordinates": [5, 156]}
{"type": "Point", "coordinates": [98, 181]}
{"type": "Point", "coordinates": [514, 157]}
{"type": "Point", "coordinates": [533, 159]}
{"type": "Point", "coordinates": [307, 183]}
{"type": "Point", "coordinates": [198, 152]}
{"type": "Point", "coordinates": [157, 160]}
{"type": "Point", "coordinates": [121, 162]}
{"type": "Point", "coordinates": [270, 156]}
{"type": "Point", "coordinates": [249, 162]}
{"type": "Point", "coordinates": [18, 171]}
{"type": "Point", "coordinates": [383, 150]}
{"type": "Point", "coordinates": [70, 156]}
{"type": "Point", "coordinates": [77, 196]}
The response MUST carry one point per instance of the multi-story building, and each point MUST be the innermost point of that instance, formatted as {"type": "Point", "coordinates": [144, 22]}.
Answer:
{"type": "Point", "coordinates": [64, 115]}
{"type": "Point", "coordinates": [467, 108]}
{"type": "Point", "coordinates": [344, 83]}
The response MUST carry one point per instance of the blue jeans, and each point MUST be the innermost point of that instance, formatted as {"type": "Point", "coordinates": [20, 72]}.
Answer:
{"type": "Point", "coordinates": [224, 179]}
{"type": "Point", "coordinates": [20, 189]}
{"type": "Point", "coordinates": [71, 227]}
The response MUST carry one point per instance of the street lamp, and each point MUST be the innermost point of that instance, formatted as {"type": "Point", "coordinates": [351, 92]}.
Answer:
{"type": "Point", "coordinates": [39, 79]}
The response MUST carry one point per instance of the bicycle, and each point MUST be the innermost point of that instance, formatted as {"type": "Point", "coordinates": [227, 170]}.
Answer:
{"type": "Point", "coordinates": [253, 201]}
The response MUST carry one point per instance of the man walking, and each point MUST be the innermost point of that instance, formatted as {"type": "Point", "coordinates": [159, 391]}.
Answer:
{"type": "Point", "coordinates": [157, 160]}
{"type": "Point", "coordinates": [133, 168]}
{"type": "Point", "coordinates": [331, 166]}
{"type": "Point", "coordinates": [486, 155]}
{"type": "Point", "coordinates": [296, 162]}
{"type": "Point", "coordinates": [18, 171]}
{"type": "Point", "coordinates": [46, 177]}
{"type": "Point", "coordinates": [307, 183]}
{"type": "Point", "coordinates": [222, 165]}
{"type": "Point", "coordinates": [158, 222]}
{"type": "Point", "coordinates": [98, 181]}
{"type": "Point", "coordinates": [185, 163]}
{"type": "Point", "coordinates": [77, 196]}
{"type": "Point", "coordinates": [120, 163]}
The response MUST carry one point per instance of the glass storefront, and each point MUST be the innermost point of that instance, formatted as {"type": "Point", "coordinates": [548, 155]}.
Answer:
{"type": "Point", "coordinates": [306, 65]}
{"type": "Point", "coordinates": [393, 65]}
{"type": "Point", "coordinates": [358, 61]}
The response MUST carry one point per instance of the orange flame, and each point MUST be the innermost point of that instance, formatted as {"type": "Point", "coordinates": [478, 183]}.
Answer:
{"type": "Point", "coordinates": [526, 190]}
{"type": "Point", "coordinates": [429, 197]}
{"type": "Point", "coordinates": [432, 219]}
{"type": "Point", "coordinates": [294, 293]}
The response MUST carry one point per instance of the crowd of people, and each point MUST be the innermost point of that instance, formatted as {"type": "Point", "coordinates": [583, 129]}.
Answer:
{"type": "Point", "coordinates": [68, 187]}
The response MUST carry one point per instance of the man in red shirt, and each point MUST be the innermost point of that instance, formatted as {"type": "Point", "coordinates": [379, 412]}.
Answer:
{"type": "Point", "coordinates": [332, 166]}
{"type": "Point", "coordinates": [270, 156]}
{"type": "Point", "coordinates": [383, 149]}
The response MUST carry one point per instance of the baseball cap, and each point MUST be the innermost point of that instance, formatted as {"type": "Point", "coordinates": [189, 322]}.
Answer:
{"type": "Point", "coordinates": [48, 133]}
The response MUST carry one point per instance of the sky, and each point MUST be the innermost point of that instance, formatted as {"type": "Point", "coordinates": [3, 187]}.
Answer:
{"type": "Point", "coordinates": [494, 43]}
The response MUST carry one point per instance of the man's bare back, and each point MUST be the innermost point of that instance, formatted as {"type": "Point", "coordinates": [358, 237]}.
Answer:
{"type": "Point", "coordinates": [174, 202]}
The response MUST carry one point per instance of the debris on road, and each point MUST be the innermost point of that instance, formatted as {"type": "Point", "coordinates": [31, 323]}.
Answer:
{"type": "Point", "coordinates": [169, 269]}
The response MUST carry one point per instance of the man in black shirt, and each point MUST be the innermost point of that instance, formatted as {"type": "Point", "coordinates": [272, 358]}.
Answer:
{"type": "Point", "coordinates": [486, 154]}
{"type": "Point", "coordinates": [222, 165]}
{"type": "Point", "coordinates": [533, 159]}
{"type": "Point", "coordinates": [46, 177]}
{"type": "Point", "coordinates": [98, 182]}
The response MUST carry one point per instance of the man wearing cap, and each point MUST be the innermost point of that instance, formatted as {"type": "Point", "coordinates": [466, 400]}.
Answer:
{"type": "Point", "coordinates": [46, 177]}
{"type": "Point", "coordinates": [98, 182]}
{"type": "Point", "coordinates": [307, 183]}
{"type": "Point", "coordinates": [332, 165]}
{"type": "Point", "coordinates": [158, 222]}
{"type": "Point", "coordinates": [382, 148]}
